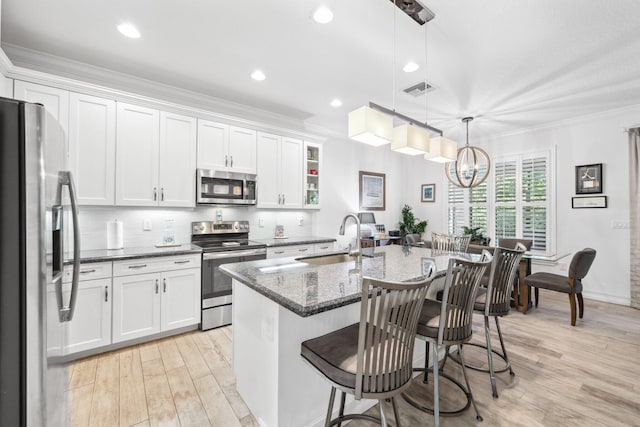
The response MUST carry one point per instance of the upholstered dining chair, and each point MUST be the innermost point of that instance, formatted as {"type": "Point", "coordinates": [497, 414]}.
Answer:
{"type": "Point", "coordinates": [450, 242]}
{"type": "Point", "coordinates": [371, 359]}
{"type": "Point", "coordinates": [494, 301]}
{"type": "Point", "coordinates": [446, 323]}
{"type": "Point", "coordinates": [571, 284]}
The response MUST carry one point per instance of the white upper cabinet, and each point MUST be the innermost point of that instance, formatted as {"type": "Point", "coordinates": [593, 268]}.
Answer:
{"type": "Point", "coordinates": [291, 173]}
{"type": "Point", "coordinates": [92, 148]}
{"type": "Point", "coordinates": [137, 155]}
{"type": "Point", "coordinates": [242, 150]}
{"type": "Point", "coordinates": [312, 171]}
{"type": "Point", "coordinates": [226, 148]}
{"type": "Point", "coordinates": [279, 172]}
{"type": "Point", "coordinates": [55, 101]}
{"type": "Point", "coordinates": [213, 144]}
{"type": "Point", "coordinates": [269, 195]}
{"type": "Point", "coordinates": [177, 160]}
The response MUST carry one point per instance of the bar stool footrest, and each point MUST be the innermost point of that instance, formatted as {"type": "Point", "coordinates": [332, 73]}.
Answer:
{"type": "Point", "coordinates": [452, 413]}
{"type": "Point", "coordinates": [477, 368]}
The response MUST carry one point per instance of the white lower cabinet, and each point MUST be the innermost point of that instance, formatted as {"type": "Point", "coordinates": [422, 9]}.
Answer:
{"type": "Point", "coordinates": [91, 324]}
{"type": "Point", "coordinates": [299, 250]}
{"type": "Point", "coordinates": [152, 302]}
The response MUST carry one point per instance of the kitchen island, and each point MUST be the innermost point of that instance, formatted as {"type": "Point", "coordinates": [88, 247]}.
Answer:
{"type": "Point", "coordinates": [279, 303]}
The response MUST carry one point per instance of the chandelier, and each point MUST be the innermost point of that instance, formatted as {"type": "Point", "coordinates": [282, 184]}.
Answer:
{"type": "Point", "coordinates": [472, 165]}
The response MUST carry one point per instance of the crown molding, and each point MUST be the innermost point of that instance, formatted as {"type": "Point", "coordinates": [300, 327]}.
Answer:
{"type": "Point", "coordinates": [42, 68]}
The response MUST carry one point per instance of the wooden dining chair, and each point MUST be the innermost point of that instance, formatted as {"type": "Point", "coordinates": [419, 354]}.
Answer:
{"type": "Point", "coordinates": [371, 359]}
{"type": "Point", "coordinates": [571, 284]}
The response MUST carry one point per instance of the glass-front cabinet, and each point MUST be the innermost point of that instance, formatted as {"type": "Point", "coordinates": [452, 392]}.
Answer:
{"type": "Point", "coordinates": [312, 172]}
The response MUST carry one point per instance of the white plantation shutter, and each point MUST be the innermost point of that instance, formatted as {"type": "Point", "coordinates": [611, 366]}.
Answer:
{"type": "Point", "coordinates": [467, 208]}
{"type": "Point", "coordinates": [515, 203]}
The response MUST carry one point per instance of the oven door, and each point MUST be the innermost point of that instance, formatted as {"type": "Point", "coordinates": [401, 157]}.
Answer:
{"type": "Point", "coordinates": [216, 286]}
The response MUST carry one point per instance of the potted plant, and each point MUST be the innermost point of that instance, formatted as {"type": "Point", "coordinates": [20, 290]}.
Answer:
{"type": "Point", "coordinates": [409, 223]}
{"type": "Point", "coordinates": [477, 236]}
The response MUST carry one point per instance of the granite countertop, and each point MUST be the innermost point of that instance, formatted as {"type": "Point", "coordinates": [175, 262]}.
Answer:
{"type": "Point", "coordinates": [101, 255]}
{"type": "Point", "coordinates": [302, 240]}
{"type": "Point", "coordinates": [308, 289]}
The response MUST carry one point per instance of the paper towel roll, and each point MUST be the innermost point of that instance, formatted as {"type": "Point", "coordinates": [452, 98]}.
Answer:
{"type": "Point", "coordinates": [115, 235]}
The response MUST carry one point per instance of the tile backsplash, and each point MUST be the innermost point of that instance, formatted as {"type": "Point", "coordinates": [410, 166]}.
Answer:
{"type": "Point", "coordinates": [93, 223]}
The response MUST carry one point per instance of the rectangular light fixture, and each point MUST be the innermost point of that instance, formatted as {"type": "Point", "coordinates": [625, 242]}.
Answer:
{"type": "Point", "coordinates": [442, 150]}
{"type": "Point", "coordinates": [370, 126]}
{"type": "Point", "coordinates": [410, 139]}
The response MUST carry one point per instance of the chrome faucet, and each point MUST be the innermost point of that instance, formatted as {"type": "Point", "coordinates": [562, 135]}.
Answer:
{"type": "Point", "coordinates": [357, 252]}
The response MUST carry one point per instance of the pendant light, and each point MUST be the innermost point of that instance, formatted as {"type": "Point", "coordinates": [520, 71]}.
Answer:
{"type": "Point", "coordinates": [472, 164]}
{"type": "Point", "coordinates": [441, 150]}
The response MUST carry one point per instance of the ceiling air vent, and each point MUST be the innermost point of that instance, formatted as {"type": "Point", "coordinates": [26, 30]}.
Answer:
{"type": "Point", "coordinates": [415, 9]}
{"type": "Point", "coordinates": [418, 89]}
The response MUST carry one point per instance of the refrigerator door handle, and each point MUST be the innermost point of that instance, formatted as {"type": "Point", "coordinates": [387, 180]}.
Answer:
{"type": "Point", "coordinates": [66, 313]}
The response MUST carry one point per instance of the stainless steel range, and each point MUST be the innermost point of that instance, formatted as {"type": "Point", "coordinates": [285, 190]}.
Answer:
{"type": "Point", "coordinates": [222, 242]}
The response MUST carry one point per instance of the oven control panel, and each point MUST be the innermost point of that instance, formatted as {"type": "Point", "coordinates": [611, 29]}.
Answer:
{"type": "Point", "coordinates": [219, 227]}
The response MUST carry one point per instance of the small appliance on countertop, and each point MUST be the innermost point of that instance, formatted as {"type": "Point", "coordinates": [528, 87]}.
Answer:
{"type": "Point", "coordinates": [222, 242]}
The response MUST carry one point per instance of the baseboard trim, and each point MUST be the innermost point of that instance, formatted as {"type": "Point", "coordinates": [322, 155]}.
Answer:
{"type": "Point", "coordinates": [613, 299]}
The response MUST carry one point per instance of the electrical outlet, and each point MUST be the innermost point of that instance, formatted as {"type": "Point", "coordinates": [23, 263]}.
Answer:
{"type": "Point", "coordinates": [301, 221]}
{"type": "Point", "coordinates": [146, 225]}
{"type": "Point", "coordinates": [260, 222]}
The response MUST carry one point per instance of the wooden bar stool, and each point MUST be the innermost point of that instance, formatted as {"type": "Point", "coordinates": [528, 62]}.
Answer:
{"type": "Point", "coordinates": [371, 359]}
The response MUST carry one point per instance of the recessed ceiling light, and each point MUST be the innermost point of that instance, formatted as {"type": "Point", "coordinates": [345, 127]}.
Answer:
{"type": "Point", "coordinates": [336, 103]}
{"type": "Point", "coordinates": [323, 15]}
{"type": "Point", "coordinates": [410, 67]}
{"type": "Point", "coordinates": [129, 30]}
{"type": "Point", "coordinates": [258, 75]}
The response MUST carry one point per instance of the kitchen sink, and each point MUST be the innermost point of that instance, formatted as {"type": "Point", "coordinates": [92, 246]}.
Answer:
{"type": "Point", "coordinates": [327, 259]}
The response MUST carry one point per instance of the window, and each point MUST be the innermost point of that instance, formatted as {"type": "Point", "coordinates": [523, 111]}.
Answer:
{"type": "Point", "coordinates": [467, 208]}
{"type": "Point", "coordinates": [515, 202]}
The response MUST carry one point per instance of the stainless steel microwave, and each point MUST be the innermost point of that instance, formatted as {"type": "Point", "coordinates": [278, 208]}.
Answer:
{"type": "Point", "coordinates": [225, 188]}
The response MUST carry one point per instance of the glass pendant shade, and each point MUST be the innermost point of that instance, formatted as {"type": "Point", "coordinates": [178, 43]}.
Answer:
{"type": "Point", "coordinates": [410, 139]}
{"type": "Point", "coordinates": [370, 126]}
{"type": "Point", "coordinates": [470, 169]}
{"type": "Point", "coordinates": [441, 150]}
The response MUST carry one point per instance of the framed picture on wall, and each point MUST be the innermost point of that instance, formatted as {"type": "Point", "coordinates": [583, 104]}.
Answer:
{"type": "Point", "coordinates": [428, 193]}
{"type": "Point", "coordinates": [372, 191]}
{"type": "Point", "coordinates": [589, 179]}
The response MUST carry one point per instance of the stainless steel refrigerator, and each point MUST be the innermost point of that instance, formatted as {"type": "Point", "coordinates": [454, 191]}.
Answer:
{"type": "Point", "coordinates": [38, 227]}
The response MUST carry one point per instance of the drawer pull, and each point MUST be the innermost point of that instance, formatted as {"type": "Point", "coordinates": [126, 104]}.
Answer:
{"type": "Point", "coordinates": [138, 266]}
{"type": "Point", "coordinates": [324, 247]}
{"type": "Point", "coordinates": [278, 252]}
{"type": "Point", "coordinates": [303, 250]}
{"type": "Point", "coordinates": [87, 271]}
{"type": "Point", "coordinates": [182, 262]}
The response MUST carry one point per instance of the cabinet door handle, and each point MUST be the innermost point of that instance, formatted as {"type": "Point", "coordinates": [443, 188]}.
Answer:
{"type": "Point", "coordinates": [87, 271]}
{"type": "Point", "coordinates": [156, 286]}
{"type": "Point", "coordinates": [138, 266]}
{"type": "Point", "coordinates": [155, 193]}
{"type": "Point", "coordinates": [106, 294]}
{"type": "Point", "coordinates": [226, 161]}
{"type": "Point", "coordinates": [283, 199]}
{"type": "Point", "coordinates": [164, 285]}
{"type": "Point", "coordinates": [231, 161]}
{"type": "Point", "coordinates": [279, 199]}
{"type": "Point", "coordinates": [162, 194]}
{"type": "Point", "coordinates": [181, 262]}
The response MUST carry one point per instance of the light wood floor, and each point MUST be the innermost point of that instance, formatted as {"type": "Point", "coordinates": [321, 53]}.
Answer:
{"type": "Point", "coordinates": [585, 375]}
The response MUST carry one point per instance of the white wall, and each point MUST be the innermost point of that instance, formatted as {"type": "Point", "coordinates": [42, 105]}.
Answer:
{"type": "Point", "coordinates": [597, 139]}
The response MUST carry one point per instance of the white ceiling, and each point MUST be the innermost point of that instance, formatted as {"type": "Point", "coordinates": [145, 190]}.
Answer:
{"type": "Point", "coordinates": [513, 64]}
